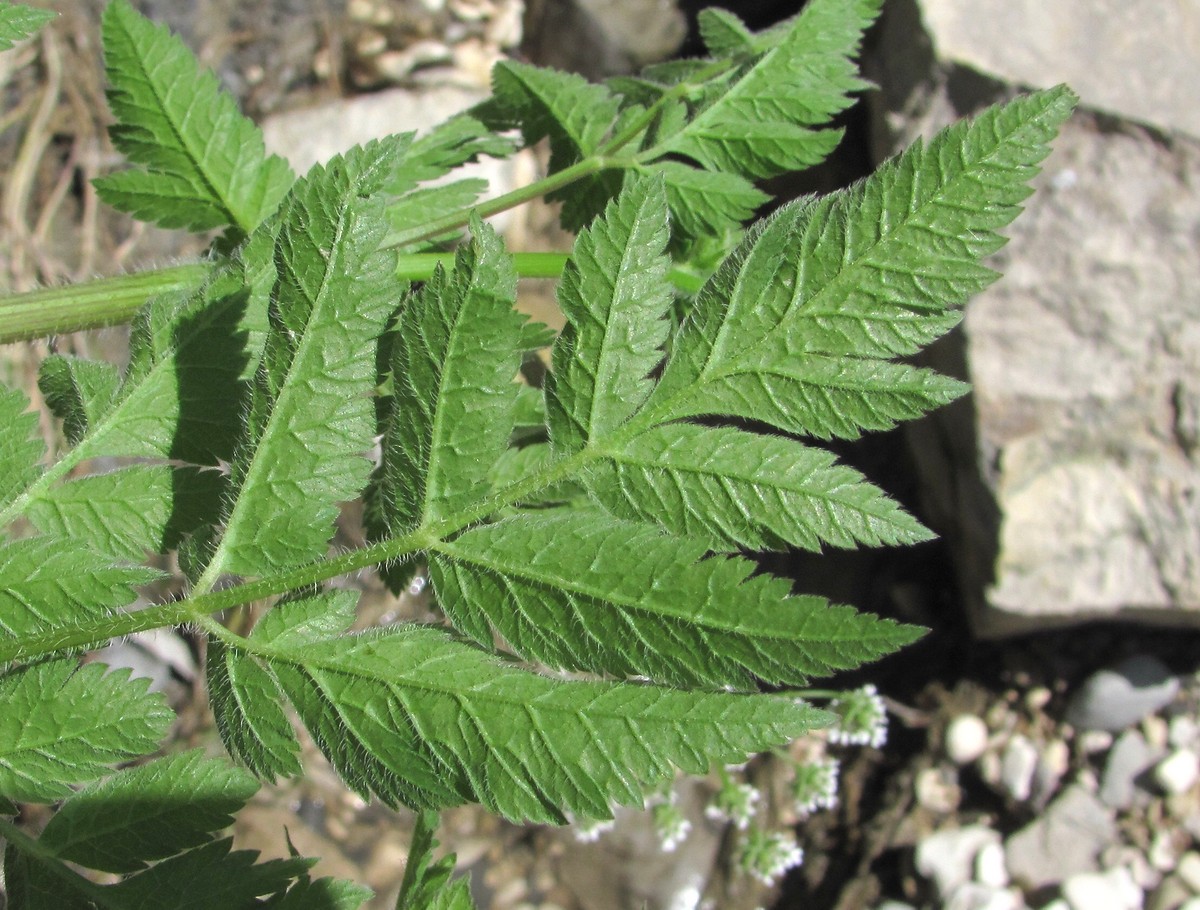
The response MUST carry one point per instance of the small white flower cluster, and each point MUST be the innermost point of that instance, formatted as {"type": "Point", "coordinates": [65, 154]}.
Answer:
{"type": "Point", "coordinates": [862, 719]}
{"type": "Point", "coordinates": [589, 831]}
{"type": "Point", "coordinates": [671, 825]}
{"type": "Point", "coordinates": [815, 786]}
{"type": "Point", "coordinates": [735, 802]}
{"type": "Point", "coordinates": [767, 855]}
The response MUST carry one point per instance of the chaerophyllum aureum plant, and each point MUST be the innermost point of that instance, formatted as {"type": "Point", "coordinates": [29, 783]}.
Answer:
{"type": "Point", "coordinates": [586, 536]}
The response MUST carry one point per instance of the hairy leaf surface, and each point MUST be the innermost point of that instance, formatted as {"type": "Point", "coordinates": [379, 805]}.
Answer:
{"type": "Point", "coordinates": [615, 296]}
{"type": "Point", "coordinates": [61, 725]}
{"type": "Point", "coordinates": [131, 511]}
{"type": "Point", "coordinates": [581, 591]}
{"type": "Point", "coordinates": [21, 449]}
{"type": "Point", "coordinates": [205, 164]}
{"type": "Point", "coordinates": [732, 489]}
{"type": "Point", "coordinates": [872, 272]}
{"type": "Point", "coordinates": [49, 583]}
{"type": "Point", "coordinates": [149, 812]}
{"type": "Point", "coordinates": [413, 716]}
{"type": "Point", "coordinates": [310, 421]}
{"type": "Point", "coordinates": [456, 355]}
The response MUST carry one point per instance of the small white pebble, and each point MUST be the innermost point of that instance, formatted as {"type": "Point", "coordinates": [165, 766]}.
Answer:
{"type": "Point", "coordinates": [1093, 741]}
{"type": "Point", "coordinates": [1154, 728]}
{"type": "Point", "coordinates": [1183, 731]}
{"type": "Point", "coordinates": [990, 868]}
{"type": "Point", "coordinates": [1112, 890]}
{"type": "Point", "coordinates": [1037, 698]}
{"type": "Point", "coordinates": [1188, 869]}
{"type": "Point", "coordinates": [966, 739]}
{"type": "Point", "coordinates": [1162, 854]}
{"type": "Point", "coordinates": [1017, 766]}
{"type": "Point", "coordinates": [1178, 771]}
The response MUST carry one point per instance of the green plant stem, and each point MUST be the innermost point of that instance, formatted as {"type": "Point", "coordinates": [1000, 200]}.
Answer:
{"type": "Point", "coordinates": [51, 863]}
{"type": "Point", "coordinates": [91, 304]}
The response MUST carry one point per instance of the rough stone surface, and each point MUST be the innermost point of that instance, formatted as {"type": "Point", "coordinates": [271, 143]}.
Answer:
{"type": "Point", "coordinates": [1116, 698]}
{"type": "Point", "coordinates": [620, 36]}
{"type": "Point", "coordinates": [1131, 756]}
{"type": "Point", "coordinates": [1127, 57]}
{"type": "Point", "coordinates": [948, 857]}
{"type": "Point", "coordinates": [1069, 484]}
{"type": "Point", "coordinates": [1065, 840]}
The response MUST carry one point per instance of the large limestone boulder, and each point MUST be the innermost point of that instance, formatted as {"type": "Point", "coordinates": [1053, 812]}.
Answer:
{"type": "Point", "coordinates": [1069, 484]}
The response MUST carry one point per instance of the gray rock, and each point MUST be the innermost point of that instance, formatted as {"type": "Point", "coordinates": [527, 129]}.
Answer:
{"type": "Point", "coordinates": [1069, 485]}
{"type": "Point", "coordinates": [947, 857]}
{"type": "Point", "coordinates": [1130, 757]}
{"type": "Point", "coordinates": [1149, 50]}
{"type": "Point", "coordinates": [1065, 840]}
{"type": "Point", "coordinates": [1116, 698]}
{"type": "Point", "coordinates": [620, 36]}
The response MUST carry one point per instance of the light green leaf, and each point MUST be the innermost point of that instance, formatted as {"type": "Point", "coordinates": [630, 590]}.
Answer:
{"type": "Point", "coordinates": [148, 812]}
{"type": "Point", "coordinates": [427, 884]}
{"type": "Point", "coordinates": [18, 22]}
{"type": "Point", "coordinates": [78, 392]}
{"type": "Point", "coordinates": [574, 113]}
{"type": "Point", "coordinates": [615, 296]}
{"type": "Point", "coordinates": [210, 877]}
{"type": "Point", "coordinates": [454, 363]}
{"type": "Point", "coordinates": [724, 34]}
{"type": "Point", "coordinates": [244, 699]}
{"type": "Point", "coordinates": [205, 164]}
{"type": "Point", "coordinates": [731, 489]}
{"type": "Point", "coordinates": [310, 422]}
{"type": "Point", "coordinates": [62, 725]}
{"type": "Point", "coordinates": [824, 395]}
{"type": "Point", "coordinates": [21, 448]}
{"type": "Point", "coordinates": [762, 123]}
{"type": "Point", "coordinates": [428, 204]}
{"type": "Point", "coordinates": [581, 591]}
{"type": "Point", "coordinates": [131, 511]}
{"type": "Point", "coordinates": [875, 271]}
{"type": "Point", "coordinates": [294, 622]}
{"type": "Point", "coordinates": [708, 202]}
{"type": "Point", "coordinates": [49, 583]}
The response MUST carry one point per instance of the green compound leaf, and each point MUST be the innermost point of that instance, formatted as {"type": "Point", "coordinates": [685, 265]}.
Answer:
{"type": "Point", "coordinates": [49, 583]}
{"type": "Point", "coordinates": [310, 421]}
{"type": "Point", "coordinates": [724, 34]}
{"type": "Point", "coordinates": [62, 725]}
{"type": "Point", "coordinates": [79, 392]}
{"type": "Point", "coordinates": [205, 164]}
{"type": "Point", "coordinates": [580, 591]}
{"type": "Point", "coordinates": [323, 894]}
{"type": "Point", "coordinates": [455, 359]}
{"type": "Point", "coordinates": [148, 812]}
{"type": "Point", "coordinates": [615, 296]}
{"type": "Point", "coordinates": [731, 489]}
{"type": "Point", "coordinates": [761, 124]}
{"type": "Point", "coordinates": [18, 22]}
{"type": "Point", "coordinates": [415, 717]}
{"type": "Point", "coordinates": [869, 273]}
